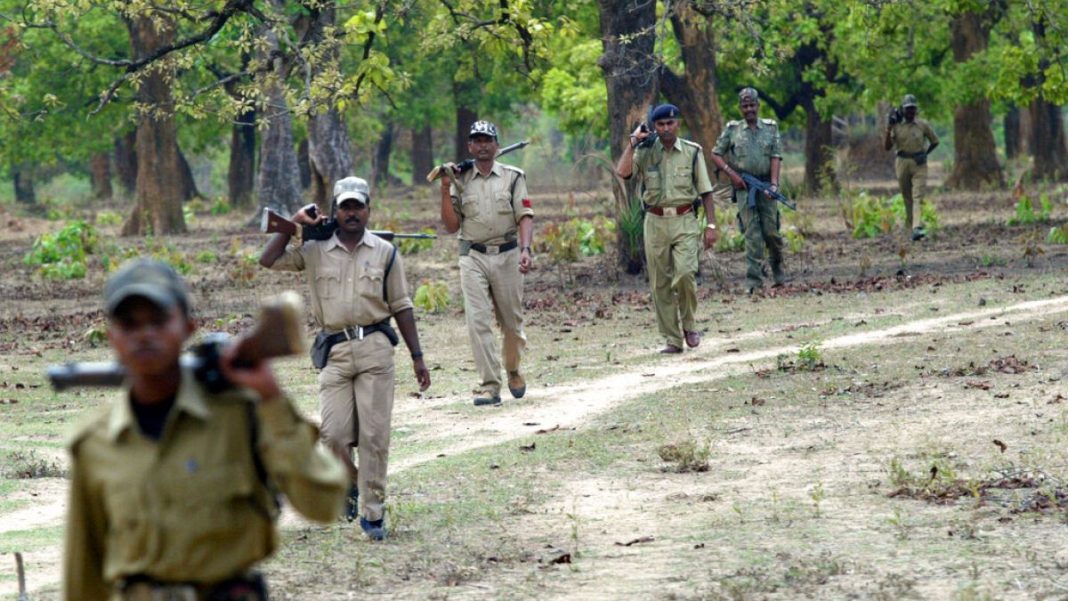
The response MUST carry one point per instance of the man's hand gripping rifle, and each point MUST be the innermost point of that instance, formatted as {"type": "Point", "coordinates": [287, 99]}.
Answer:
{"type": "Point", "coordinates": [755, 186]}
{"type": "Point", "coordinates": [464, 166]}
{"type": "Point", "coordinates": [274, 223]}
{"type": "Point", "coordinates": [279, 332]}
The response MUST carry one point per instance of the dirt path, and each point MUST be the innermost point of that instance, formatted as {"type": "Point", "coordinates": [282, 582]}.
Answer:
{"type": "Point", "coordinates": [570, 406]}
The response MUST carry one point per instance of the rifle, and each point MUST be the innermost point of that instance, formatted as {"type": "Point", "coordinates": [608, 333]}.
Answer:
{"type": "Point", "coordinates": [279, 331]}
{"type": "Point", "coordinates": [756, 185]}
{"type": "Point", "coordinates": [273, 223]}
{"type": "Point", "coordinates": [466, 165]}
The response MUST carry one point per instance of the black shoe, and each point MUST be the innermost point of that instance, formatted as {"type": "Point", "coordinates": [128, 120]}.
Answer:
{"type": "Point", "coordinates": [485, 399]}
{"type": "Point", "coordinates": [352, 504]}
{"type": "Point", "coordinates": [375, 530]}
{"type": "Point", "coordinates": [918, 233]}
{"type": "Point", "coordinates": [516, 384]}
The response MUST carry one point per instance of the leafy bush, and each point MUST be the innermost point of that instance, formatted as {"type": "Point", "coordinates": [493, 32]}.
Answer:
{"type": "Point", "coordinates": [567, 241]}
{"type": "Point", "coordinates": [28, 464]}
{"type": "Point", "coordinates": [730, 238]}
{"type": "Point", "coordinates": [795, 240]}
{"type": "Point", "coordinates": [870, 216]}
{"type": "Point", "coordinates": [108, 218]}
{"type": "Point", "coordinates": [1026, 214]}
{"type": "Point", "coordinates": [432, 296]}
{"type": "Point", "coordinates": [410, 246]}
{"type": "Point", "coordinates": [207, 256]}
{"type": "Point", "coordinates": [220, 207]}
{"type": "Point", "coordinates": [809, 356]}
{"type": "Point", "coordinates": [1058, 235]}
{"type": "Point", "coordinates": [63, 254]}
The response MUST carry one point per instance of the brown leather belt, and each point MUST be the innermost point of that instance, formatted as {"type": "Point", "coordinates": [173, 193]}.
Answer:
{"type": "Point", "coordinates": [670, 211]}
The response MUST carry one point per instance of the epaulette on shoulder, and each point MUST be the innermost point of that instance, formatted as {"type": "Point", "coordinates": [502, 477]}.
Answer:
{"type": "Point", "coordinates": [513, 168]}
{"type": "Point", "coordinates": [691, 143]}
{"type": "Point", "coordinates": [733, 123]}
{"type": "Point", "coordinates": [87, 425]}
{"type": "Point", "coordinates": [769, 122]}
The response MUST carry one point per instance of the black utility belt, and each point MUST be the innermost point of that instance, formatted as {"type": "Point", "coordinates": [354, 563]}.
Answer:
{"type": "Point", "coordinates": [492, 250]}
{"type": "Point", "coordinates": [324, 341]}
{"type": "Point", "coordinates": [919, 157]}
{"type": "Point", "coordinates": [250, 587]}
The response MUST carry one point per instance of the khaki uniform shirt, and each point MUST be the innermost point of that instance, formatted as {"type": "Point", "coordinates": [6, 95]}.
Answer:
{"type": "Point", "coordinates": [189, 507]}
{"type": "Point", "coordinates": [911, 138]}
{"type": "Point", "coordinates": [491, 206]}
{"type": "Point", "coordinates": [347, 287]}
{"type": "Point", "coordinates": [750, 149]}
{"type": "Point", "coordinates": [672, 178]}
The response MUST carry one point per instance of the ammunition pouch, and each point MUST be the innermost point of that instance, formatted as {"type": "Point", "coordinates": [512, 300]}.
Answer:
{"type": "Point", "coordinates": [920, 158]}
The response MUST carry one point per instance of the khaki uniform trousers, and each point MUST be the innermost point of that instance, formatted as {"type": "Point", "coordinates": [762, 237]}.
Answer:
{"type": "Point", "coordinates": [492, 286]}
{"type": "Point", "coordinates": [912, 180]}
{"type": "Point", "coordinates": [356, 405]}
{"type": "Point", "coordinates": [761, 227]}
{"type": "Point", "coordinates": [672, 249]}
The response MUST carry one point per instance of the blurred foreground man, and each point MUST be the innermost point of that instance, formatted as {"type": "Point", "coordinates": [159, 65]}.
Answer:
{"type": "Point", "coordinates": [173, 488]}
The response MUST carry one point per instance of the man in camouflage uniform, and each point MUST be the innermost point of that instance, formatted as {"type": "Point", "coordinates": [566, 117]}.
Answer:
{"type": "Point", "coordinates": [911, 136]}
{"type": "Point", "coordinates": [489, 206]}
{"type": "Point", "coordinates": [172, 486]}
{"type": "Point", "coordinates": [672, 174]}
{"type": "Point", "coordinates": [753, 145]}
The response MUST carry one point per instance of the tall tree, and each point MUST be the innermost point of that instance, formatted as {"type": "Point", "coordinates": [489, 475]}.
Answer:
{"type": "Point", "coordinates": [631, 74]}
{"type": "Point", "coordinates": [975, 152]}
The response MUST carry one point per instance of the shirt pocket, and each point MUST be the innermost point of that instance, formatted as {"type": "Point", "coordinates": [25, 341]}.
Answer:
{"type": "Point", "coordinates": [503, 202]}
{"type": "Point", "coordinates": [370, 285]}
{"type": "Point", "coordinates": [215, 502]}
{"type": "Point", "coordinates": [328, 282]}
{"type": "Point", "coordinates": [127, 531]}
{"type": "Point", "coordinates": [651, 179]}
{"type": "Point", "coordinates": [469, 207]}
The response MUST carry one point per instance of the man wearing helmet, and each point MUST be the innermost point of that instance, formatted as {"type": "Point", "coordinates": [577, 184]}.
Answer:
{"type": "Point", "coordinates": [357, 284]}
{"type": "Point", "coordinates": [489, 206]}
{"type": "Point", "coordinates": [911, 136]}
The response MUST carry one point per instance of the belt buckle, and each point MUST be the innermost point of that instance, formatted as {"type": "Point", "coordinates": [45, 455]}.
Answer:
{"type": "Point", "coordinates": [493, 250]}
{"type": "Point", "coordinates": [674, 211]}
{"type": "Point", "coordinates": [353, 333]}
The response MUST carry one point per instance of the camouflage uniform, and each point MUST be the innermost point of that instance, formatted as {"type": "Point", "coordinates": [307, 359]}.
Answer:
{"type": "Point", "coordinates": [671, 180]}
{"type": "Point", "coordinates": [751, 149]}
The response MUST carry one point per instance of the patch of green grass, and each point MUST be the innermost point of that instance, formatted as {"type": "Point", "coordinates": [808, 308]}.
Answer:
{"type": "Point", "coordinates": [30, 540]}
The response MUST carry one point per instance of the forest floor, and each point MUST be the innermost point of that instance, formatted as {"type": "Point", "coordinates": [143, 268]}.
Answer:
{"type": "Point", "coordinates": [890, 425]}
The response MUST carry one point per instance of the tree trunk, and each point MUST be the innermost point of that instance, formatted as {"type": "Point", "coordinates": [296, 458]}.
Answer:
{"type": "Point", "coordinates": [975, 162]}
{"type": "Point", "coordinates": [23, 180]}
{"type": "Point", "coordinates": [422, 154]}
{"type": "Point", "coordinates": [465, 116]}
{"type": "Point", "coordinates": [279, 176]}
{"type": "Point", "coordinates": [329, 145]}
{"type": "Point", "coordinates": [304, 162]}
{"type": "Point", "coordinates": [1011, 126]}
{"type": "Point", "coordinates": [126, 161]}
{"type": "Point", "coordinates": [186, 181]}
{"type": "Point", "coordinates": [158, 208]}
{"type": "Point", "coordinates": [100, 175]}
{"type": "Point", "coordinates": [630, 69]}
{"type": "Point", "coordinates": [241, 173]}
{"type": "Point", "coordinates": [1047, 141]}
{"type": "Point", "coordinates": [820, 174]}
{"type": "Point", "coordinates": [380, 161]}
{"type": "Point", "coordinates": [695, 92]}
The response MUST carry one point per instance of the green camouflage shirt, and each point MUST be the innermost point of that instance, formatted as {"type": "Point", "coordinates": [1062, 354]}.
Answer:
{"type": "Point", "coordinates": [750, 149]}
{"type": "Point", "coordinates": [672, 178]}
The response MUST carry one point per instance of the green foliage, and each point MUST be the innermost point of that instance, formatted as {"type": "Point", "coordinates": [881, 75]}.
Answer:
{"type": "Point", "coordinates": [1058, 235]}
{"type": "Point", "coordinates": [63, 255]}
{"type": "Point", "coordinates": [220, 207]}
{"type": "Point", "coordinates": [410, 246]}
{"type": "Point", "coordinates": [795, 240]}
{"type": "Point", "coordinates": [809, 356]}
{"type": "Point", "coordinates": [1026, 213]}
{"type": "Point", "coordinates": [686, 456]}
{"type": "Point", "coordinates": [105, 218]}
{"type": "Point", "coordinates": [432, 296]}
{"type": "Point", "coordinates": [207, 256]}
{"type": "Point", "coordinates": [567, 241]}
{"type": "Point", "coordinates": [870, 216]}
{"type": "Point", "coordinates": [28, 464]}
{"type": "Point", "coordinates": [730, 238]}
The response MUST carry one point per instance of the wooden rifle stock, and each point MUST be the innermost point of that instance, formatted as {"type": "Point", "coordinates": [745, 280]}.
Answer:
{"type": "Point", "coordinates": [278, 332]}
{"type": "Point", "coordinates": [467, 164]}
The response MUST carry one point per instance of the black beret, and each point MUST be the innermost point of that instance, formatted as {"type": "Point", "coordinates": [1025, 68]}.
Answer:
{"type": "Point", "coordinates": [664, 111]}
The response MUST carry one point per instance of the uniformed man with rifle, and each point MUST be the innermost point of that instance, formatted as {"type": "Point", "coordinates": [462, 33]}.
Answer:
{"type": "Point", "coordinates": [750, 151]}
{"type": "Point", "coordinates": [914, 140]}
